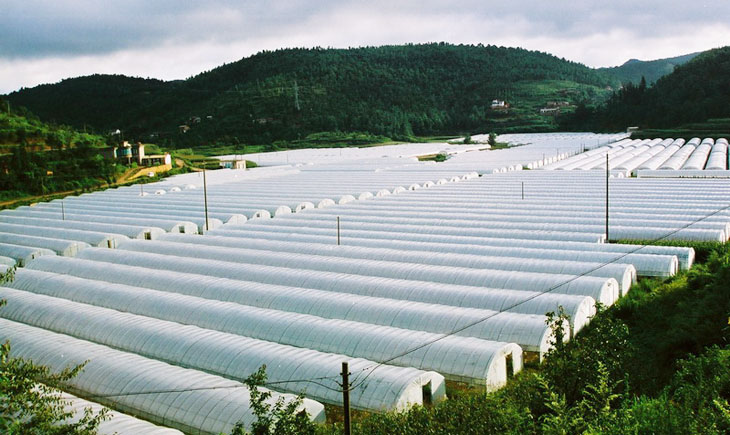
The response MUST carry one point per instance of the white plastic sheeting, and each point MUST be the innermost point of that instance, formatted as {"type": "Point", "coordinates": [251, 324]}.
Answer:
{"type": "Point", "coordinates": [66, 248]}
{"type": "Point", "coordinates": [698, 158]}
{"type": "Point", "coordinates": [22, 254]}
{"type": "Point", "coordinates": [324, 218]}
{"type": "Point", "coordinates": [235, 357]}
{"type": "Point", "coordinates": [625, 274]}
{"type": "Point", "coordinates": [645, 264]}
{"type": "Point", "coordinates": [657, 160]}
{"type": "Point", "coordinates": [191, 213]}
{"type": "Point", "coordinates": [132, 231]}
{"type": "Point", "coordinates": [233, 199]}
{"type": "Point", "coordinates": [483, 361]}
{"type": "Point", "coordinates": [260, 264]}
{"type": "Point", "coordinates": [684, 255]}
{"type": "Point", "coordinates": [44, 211]}
{"type": "Point", "coordinates": [534, 151]}
{"type": "Point", "coordinates": [718, 157]}
{"type": "Point", "coordinates": [396, 230]}
{"type": "Point", "coordinates": [93, 238]}
{"type": "Point", "coordinates": [192, 401]}
{"type": "Point", "coordinates": [577, 219]}
{"type": "Point", "coordinates": [529, 331]}
{"type": "Point", "coordinates": [693, 208]}
{"type": "Point", "coordinates": [324, 303]}
{"type": "Point", "coordinates": [664, 155]}
{"type": "Point", "coordinates": [6, 262]}
{"type": "Point", "coordinates": [115, 423]}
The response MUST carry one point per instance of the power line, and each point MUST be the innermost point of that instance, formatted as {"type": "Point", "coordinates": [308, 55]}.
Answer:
{"type": "Point", "coordinates": [226, 387]}
{"type": "Point", "coordinates": [378, 364]}
{"type": "Point", "coordinates": [551, 289]}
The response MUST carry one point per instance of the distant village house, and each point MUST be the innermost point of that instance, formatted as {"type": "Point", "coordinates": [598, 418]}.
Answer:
{"type": "Point", "coordinates": [499, 105]}
{"type": "Point", "coordinates": [550, 111]}
{"type": "Point", "coordinates": [129, 153]}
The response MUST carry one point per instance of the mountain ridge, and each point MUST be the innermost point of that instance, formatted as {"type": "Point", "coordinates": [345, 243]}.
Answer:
{"type": "Point", "coordinates": [633, 70]}
{"type": "Point", "coordinates": [396, 91]}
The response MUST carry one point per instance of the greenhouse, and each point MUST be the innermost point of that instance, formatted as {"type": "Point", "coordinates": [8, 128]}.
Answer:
{"type": "Point", "coordinates": [604, 290]}
{"type": "Point", "coordinates": [131, 231]}
{"type": "Point", "coordinates": [46, 212]}
{"type": "Point", "coordinates": [440, 253]}
{"type": "Point", "coordinates": [479, 357]}
{"type": "Point", "coordinates": [22, 255]}
{"type": "Point", "coordinates": [115, 423]}
{"type": "Point", "coordinates": [6, 262]}
{"type": "Point", "coordinates": [115, 378]}
{"type": "Point", "coordinates": [580, 308]}
{"type": "Point", "coordinates": [624, 273]}
{"type": "Point", "coordinates": [413, 272]}
{"type": "Point", "coordinates": [66, 248]}
{"type": "Point", "coordinates": [93, 238]}
{"type": "Point", "coordinates": [667, 155]}
{"type": "Point", "coordinates": [235, 356]}
{"type": "Point", "coordinates": [529, 331]}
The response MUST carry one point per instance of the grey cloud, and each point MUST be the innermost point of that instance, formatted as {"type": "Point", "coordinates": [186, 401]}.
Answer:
{"type": "Point", "coordinates": [38, 28]}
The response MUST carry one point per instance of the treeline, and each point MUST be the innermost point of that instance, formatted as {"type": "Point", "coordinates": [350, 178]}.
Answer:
{"type": "Point", "coordinates": [695, 92]}
{"type": "Point", "coordinates": [393, 91]}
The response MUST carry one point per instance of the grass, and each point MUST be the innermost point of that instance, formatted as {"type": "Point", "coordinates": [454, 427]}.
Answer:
{"type": "Point", "coordinates": [501, 146]}
{"type": "Point", "coordinates": [439, 157]}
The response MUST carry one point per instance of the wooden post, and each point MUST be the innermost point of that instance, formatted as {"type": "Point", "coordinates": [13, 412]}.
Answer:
{"type": "Point", "coordinates": [63, 211]}
{"type": "Point", "coordinates": [607, 176]}
{"type": "Point", "coordinates": [338, 231]}
{"type": "Point", "coordinates": [523, 190]}
{"type": "Point", "coordinates": [205, 196]}
{"type": "Point", "coordinates": [346, 397]}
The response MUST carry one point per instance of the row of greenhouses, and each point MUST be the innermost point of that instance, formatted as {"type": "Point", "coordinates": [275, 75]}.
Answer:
{"type": "Point", "coordinates": [166, 394]}
{"type": "Point", "coordinates": [634, 156]}
{"type": "Point", "coordinates": [415, 273]}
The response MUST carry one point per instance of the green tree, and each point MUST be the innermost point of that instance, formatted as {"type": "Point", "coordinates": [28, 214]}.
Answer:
{"type": "Point", "coordinates": [280, 418]}
{"type": "Point", "coordinates": [492, 139]}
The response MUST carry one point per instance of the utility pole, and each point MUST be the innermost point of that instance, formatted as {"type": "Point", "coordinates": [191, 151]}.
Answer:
{"type": "Point", "coordinates": [205, 198]}
{"type": "Point", "coordinates": [346, 397]}
{"type": "Point", "coordinates": [338, 231]}
{"type": "Point", "coordinates": [607, 175]}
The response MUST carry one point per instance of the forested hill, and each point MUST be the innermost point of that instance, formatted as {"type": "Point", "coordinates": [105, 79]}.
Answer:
{"type": "Point", "coordinates": [396, 91]}
{"type": "Point", "coordinates": [633, 70]}
{"type": "Point", "coordinates": [37, 158]}
{"type": "Point", "coordinates": [696, 92]}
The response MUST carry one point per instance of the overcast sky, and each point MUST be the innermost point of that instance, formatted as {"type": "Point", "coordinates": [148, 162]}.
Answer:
{"type": "Point", "coordinates": [44, 41]}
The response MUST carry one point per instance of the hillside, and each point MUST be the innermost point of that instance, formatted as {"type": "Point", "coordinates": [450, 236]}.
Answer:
{"type": "Point", "coordinates": [394, 91]}
{"type": "Point", "coordinates": [693, 97]}
{"type": "Point", "coordinates": [39, 158]}
{"type": "Point", "coordinates": [652, 70]}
